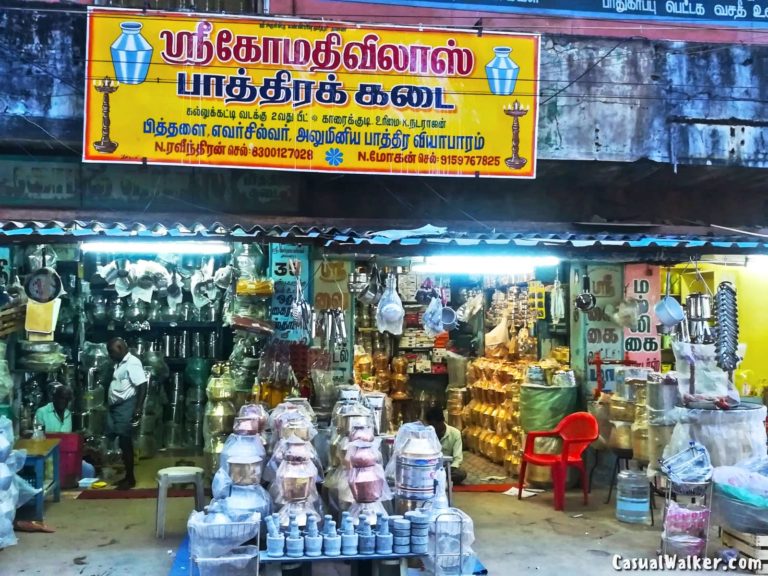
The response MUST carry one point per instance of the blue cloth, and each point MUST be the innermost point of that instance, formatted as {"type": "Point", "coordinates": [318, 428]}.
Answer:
{"type": "Point", "coordinates": [181, 563]}
{"type": "Point", "coordinates": [88, 470]}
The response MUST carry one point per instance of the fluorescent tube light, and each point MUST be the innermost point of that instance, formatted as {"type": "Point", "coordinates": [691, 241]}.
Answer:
{"type": "Point", "coordinates": [129, 246]}
{"type": "Point", "coordinates": [483, 264]}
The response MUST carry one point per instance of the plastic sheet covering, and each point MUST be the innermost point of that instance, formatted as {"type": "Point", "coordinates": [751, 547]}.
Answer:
{"type": "Point", "coordinates": [408, 432]}
{"type": "Point", "coordinates": [667, 417]}
{"type": "Point", "coordinates": [542, 408]}
{"type": "Point", "coordinates": [221, 484]}
{"type": "Point", "coordinates": [294, 482]}
{"type": "Point", "coordinates": [214, 534]}
{"type": "Point", "coordinates": [287, 415]}
{"type": "Point", "coordinates": [709, 379]}
{"type": "Point", "coordinates": [14, 491]}
{"type": "Point", "coordinates": [730, 436]}
{"type": "Point", "coordinates": [740, 499]}
{"type": "Point", "coordinates": [247, 447]}
{"type": "Point", "coordinates": [354, 446]}
{"type": "Point", "coordinates": [16, 460]}
{"type": "Point", "coordinates": [244, 501]}
{"type": "Point", "coordinates": [8, 499]}
{"type": "Point", "coordinates": [337, 492]}
{"type": "Point", "coordinates": [270, 470]}
{"type": "Point", "coordinates": [8, 490]}
{"type": "Point", "coordinates": [7, 536]}
{"type": "Point", "coordinates": [451, 531]}
{"type": "Point", "coordinates": [25, 491]}
{"type": "Point", "coordinates": [357, 453]}
{"type": "Point", "coordinates": [6, 429]}
{"type": "Point", "coordinates": [5, 448]}
{"type": "Point", "coordinates": [322, 445]}
{"type": "Point", "coordinates": [6, 477]}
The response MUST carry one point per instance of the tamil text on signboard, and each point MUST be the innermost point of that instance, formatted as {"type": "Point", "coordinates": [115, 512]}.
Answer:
{"type": "Point", "coordinates": [207, 90]}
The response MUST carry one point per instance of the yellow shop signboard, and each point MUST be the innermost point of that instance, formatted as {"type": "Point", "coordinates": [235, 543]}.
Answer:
{"type": "Point", "coordinates": [211, 90]}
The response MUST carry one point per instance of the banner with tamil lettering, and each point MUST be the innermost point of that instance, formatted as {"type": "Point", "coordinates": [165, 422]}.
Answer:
{"type": "Point", "coordinates": [211, 90]}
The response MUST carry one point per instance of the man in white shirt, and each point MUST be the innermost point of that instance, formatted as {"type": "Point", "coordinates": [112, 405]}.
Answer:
{"type": "Point", "coordinates": [126, 402]}
{"type": "Point", "coordinates": [450, 441]}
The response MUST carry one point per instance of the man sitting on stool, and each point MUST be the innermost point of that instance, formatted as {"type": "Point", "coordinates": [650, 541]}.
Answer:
{"type": "Point", "coordinates": [55, 416]}
{"type": "Point", "coordinates": [450, 440]}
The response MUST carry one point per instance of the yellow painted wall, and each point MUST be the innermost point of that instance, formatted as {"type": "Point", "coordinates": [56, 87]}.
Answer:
{"type": "Point", "coordinates": [751, 283]}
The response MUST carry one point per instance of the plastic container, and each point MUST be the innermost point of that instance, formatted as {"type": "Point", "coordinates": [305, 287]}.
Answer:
{"type": "Point", "coordinates": [86, 483]}
{"type": "Point", "coordinates": [70, 458]}
{"type": "Point", "coordinates": [633, 497]}
{"type": "Point", "coordinates": [242, 560]}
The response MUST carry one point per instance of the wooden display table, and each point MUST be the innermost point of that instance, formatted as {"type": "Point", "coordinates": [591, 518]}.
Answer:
{"type": "Point", "coordinates": [38, 452]}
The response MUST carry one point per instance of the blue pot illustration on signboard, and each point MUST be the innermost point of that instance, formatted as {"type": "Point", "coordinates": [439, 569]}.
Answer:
{"type": "Point", "coordinates": [502, 72]}
{"type": "Point", "coordinates": [131, 54]}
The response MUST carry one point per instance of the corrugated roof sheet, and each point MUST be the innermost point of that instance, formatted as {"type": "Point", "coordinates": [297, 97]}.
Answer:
{"type": "Point", "coordinates": [642, 238]}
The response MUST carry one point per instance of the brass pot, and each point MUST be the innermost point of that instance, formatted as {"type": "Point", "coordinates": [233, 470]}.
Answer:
{"type": "Point", "coordinates": [220, 388]}
{"type": "Point", "coordinates": [220, 417]}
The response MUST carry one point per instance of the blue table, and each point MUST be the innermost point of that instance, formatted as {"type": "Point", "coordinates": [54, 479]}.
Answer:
{"type": "Point", "coordinates": [38, 452]}
{"type": "Point", "coordinates": [182, 565]}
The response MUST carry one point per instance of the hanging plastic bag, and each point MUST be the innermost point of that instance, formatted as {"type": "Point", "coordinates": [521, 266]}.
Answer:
{"type": "Point", "coordinates": [390, 311]}
{"type": "Point", "coordinates": [557, 303]}
{"type": "Point", "coordinates": [40, 256]}
{"type": "Point", "coordinates": [470, 308]}
{"type": "Point", "coordinates": [497, 340]}
{"type": "Point", "coordinates": [433, 318]}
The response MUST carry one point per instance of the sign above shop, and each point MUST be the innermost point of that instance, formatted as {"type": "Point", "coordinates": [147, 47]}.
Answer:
{"type": "Point", "coordinates": [209, 90]}
{"type": "Point", "coordinates": [747, 13]}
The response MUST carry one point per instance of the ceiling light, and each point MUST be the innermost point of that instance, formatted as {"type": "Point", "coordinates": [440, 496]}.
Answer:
{"type": "Point", "coordinates": [130, 246]}
{"type": "Point", "coordinates": [469, 265]}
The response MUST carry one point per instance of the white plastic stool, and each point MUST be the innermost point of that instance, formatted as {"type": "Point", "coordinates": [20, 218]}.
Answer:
{"type": "Point", "coordinates": [176, 475]}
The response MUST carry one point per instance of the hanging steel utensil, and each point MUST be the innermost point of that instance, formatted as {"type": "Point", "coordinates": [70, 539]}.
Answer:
{"type": "Point", "coordinates": [586, 300]}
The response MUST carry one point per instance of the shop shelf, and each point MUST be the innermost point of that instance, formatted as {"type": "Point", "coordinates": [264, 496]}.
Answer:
{"type": "Point", "coordinates": [158, 325]}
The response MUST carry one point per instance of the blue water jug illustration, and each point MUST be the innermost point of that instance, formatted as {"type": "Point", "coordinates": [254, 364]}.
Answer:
{"type": "Point", "coordinates": [131, 54]}
{"type": "Point", "coordinates": [502, 72]}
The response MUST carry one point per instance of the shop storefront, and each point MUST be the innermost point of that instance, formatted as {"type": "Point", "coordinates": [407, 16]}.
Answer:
{"type": "Point", "coordinates": [277, 357]}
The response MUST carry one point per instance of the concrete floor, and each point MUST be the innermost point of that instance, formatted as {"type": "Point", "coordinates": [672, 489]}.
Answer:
{"type": "Point", "coordinates": [116, 537]}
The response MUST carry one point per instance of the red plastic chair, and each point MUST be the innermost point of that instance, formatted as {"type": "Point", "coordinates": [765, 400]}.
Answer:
{"type": "Point", "coordinates": [577, 432]}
